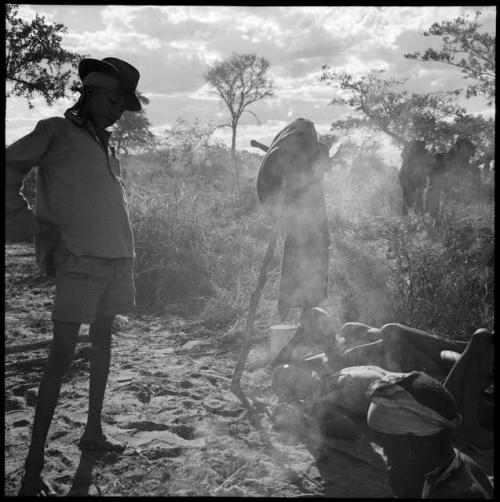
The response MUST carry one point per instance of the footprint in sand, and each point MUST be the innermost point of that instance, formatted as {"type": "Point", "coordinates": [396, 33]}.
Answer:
{"type": "Point", "coordinates": [30, 396]}
{"type": "Point", "coordinates": [157, 453]}
{"type": "Point", "coordinates": [222, 408]}
{"type": "Point", "coordinates": [13, 403]}
{"type": "Point", "coordinates": [145, 425]}
{"type": "Point", "coordinates": [182, 430]}
{"type": "Point", "coordinates": [21, 423]}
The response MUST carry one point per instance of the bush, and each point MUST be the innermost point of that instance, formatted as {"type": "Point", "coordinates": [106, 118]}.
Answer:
{"type": "Point", "coordinates": [171, 266]}
{"type": "Point", "coordinates": [196, 254]}
{"type": "Point", "coordinates": [442, 283]}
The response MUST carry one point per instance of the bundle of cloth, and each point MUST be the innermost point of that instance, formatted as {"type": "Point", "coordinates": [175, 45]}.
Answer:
{"type": "Point", "coordinates": [289, 188]}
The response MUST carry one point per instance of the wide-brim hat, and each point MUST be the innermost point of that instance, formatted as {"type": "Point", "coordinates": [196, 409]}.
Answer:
{"type": "Point", "coordinates": [125, 73]}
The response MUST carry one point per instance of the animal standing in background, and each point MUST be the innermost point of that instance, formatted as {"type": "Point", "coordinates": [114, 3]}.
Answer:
{"type": "Point", "coordinates": [413, 175]}
{"type": "Point", "coordinates": [428, 178]}
{"type": "Point", "coordinates": [461, 178]}
{"type": "Point", "coordinates": [434, 187]}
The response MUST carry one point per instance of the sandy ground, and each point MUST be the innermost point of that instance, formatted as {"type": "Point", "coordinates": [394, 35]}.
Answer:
{"type": "Point", "coordinates": [168, 398]}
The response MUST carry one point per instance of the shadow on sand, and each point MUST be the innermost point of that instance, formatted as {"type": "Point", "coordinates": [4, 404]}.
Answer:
{"type": "Point", "coordinates": [82, 482]}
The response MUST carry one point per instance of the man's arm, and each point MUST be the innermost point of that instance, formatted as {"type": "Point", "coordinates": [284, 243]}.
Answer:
{"type": "Point", "coordinates": [257, 144]}
{"type": "Point", "coordinates": [20, 157]}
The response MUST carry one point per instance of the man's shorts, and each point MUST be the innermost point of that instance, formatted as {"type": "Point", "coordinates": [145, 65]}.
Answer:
{"type": "Point", "coordinates": [87, 286]}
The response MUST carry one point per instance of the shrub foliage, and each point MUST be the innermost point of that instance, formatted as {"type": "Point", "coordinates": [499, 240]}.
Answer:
{"type": "Point", "coordinates": [199, 254]}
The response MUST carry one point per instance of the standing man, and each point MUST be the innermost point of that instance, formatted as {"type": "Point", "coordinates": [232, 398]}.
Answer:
{"type": "Point", "coordinates": [83, 238]}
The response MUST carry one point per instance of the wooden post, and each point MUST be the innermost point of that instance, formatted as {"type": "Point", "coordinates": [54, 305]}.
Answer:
{"type": "Point", "coordinates": [247, 343]}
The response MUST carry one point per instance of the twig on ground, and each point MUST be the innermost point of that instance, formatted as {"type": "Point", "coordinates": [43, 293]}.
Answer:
{"type": "Point", "coordinates": [240, 365]}
{"type": "Point", "coordinates": [235, 387]}
{"type": "Point", "coordinates": [80, 353]}
{"type": "Point", "coordinates": [136, 450]}
{"type": "Point", "coordinates": [25, 347]}
{"type": "Point", "coordinates": [240, 469]}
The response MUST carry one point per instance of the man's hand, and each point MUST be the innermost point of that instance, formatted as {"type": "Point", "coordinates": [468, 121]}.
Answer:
{"type": "Point", "coordinates": [21, 227]}
{"type": "Point", "coordinates": [257, 144]}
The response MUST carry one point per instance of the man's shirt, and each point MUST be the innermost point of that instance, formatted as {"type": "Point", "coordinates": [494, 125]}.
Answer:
{"type": "Point", "coordinates": [460, 478]}
{"type": "Point", "coordinates": [79, 189]}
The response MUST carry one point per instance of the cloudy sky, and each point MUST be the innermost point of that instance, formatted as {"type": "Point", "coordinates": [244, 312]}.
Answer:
{"type": "Point", "coordinates": [173, 45]}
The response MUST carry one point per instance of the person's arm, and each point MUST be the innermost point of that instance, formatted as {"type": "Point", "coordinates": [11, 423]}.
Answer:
{"type": "Point", "coordinates": [257, 144]}
{"type": "Point", "coordinates": [20, 157]}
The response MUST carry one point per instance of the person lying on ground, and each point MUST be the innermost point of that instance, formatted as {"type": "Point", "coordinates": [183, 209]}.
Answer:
{"type": "Point", "coordinates": [400, 348]}
{"type": "Point", "coordinates": [332, 404]}
{"type": "Point", "coordinates": [469, 382]}
{"type": "Point", "coordinates": [413, 416]}
{"type": "Point", "coordinates": [346, 374]}
{"type": "Point", "coordinates": [83, 239]}
{"type": "Point", "coordinates": [394, 346]}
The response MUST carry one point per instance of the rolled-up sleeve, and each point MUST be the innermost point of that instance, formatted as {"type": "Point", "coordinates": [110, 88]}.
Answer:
{"type": "Point", "coordinates": [20, 157]}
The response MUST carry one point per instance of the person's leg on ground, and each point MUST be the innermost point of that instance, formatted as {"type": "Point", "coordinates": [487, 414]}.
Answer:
{"type": "Point", "coordinates": [100, 358]}
{"type": "Point", "coordinates": [117, 296]}
{"type": "Point", "coordinates": [58, 363]}
{"type": "Point", "coordinates": [414, 349]}
{"type": "Point", "coordinates": [466, 382]}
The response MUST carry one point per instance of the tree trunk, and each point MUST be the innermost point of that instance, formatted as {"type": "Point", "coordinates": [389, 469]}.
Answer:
{"type": "Point", "coordinates": [235, 165]}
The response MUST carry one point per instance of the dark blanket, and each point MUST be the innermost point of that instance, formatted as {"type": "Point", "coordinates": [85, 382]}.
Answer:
{"type": "Point", "coordinates": [289, 187]}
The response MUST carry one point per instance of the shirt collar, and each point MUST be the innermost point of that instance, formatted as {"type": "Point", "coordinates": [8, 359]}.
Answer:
{"type": "Point", "coordinates": [441, 473]}
{"type": "Point", "coordinates": [87, 124]}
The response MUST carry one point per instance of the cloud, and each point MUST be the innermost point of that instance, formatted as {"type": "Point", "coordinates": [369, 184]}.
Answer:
{"type": "Point", "coordinates": [173, 45]}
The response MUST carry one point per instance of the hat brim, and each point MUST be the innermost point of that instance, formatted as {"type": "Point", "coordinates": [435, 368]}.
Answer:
{"type": "Point", "coordinates": [89, 65]}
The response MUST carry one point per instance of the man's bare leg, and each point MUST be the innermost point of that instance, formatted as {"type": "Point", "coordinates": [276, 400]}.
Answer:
{"type": "Point", "coordinates": [58, 363]}
{"type": "Point", "coordinates": [414, 349]}
{"type": "Point", "coordinates": [100, 358]}
{"type": "Point", "coordinates": [285, 354]}
{"type": "Point", "coordinates": [466, 381]}
{"type": "Point", "coordinates": [358, 333]}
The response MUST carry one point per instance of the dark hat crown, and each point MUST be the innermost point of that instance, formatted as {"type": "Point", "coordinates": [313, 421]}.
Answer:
{"type": "Point", "coordinates": [125, 73]}
{"type": "Point", "coordinates": [129, 75]}
{"type": "Point", "coordinates": [431, 393]}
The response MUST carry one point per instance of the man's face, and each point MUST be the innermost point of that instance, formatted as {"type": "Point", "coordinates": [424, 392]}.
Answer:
{"type": "Point", "coordinates": [106, 107]}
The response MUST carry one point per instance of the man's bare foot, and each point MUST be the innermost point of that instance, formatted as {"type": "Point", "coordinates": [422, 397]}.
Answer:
{"type": "Point", "coordinates": [100, 443]}
{"type": "Point", "coordinates": [35, 487]}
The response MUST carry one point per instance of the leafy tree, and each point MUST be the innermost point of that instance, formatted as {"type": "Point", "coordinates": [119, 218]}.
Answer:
{"type": "Point", "coordinates": [465, 47]}
{"type": "Point", "coordinates": [186, 137]}
{"type": "Point", "coordinates": [240, 81]}
{"type": "Point", "coordinates": [384, 104]}
{"type": "Point", "coordinates": [133, 129]}
{"type": "Point", "coordinates": [188, 150]}
{"type": "Point", "coordinates": [35, 62]}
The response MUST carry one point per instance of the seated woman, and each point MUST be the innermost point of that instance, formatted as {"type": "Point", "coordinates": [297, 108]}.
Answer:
{"type": "Point", "coordinates": [413, 416]}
